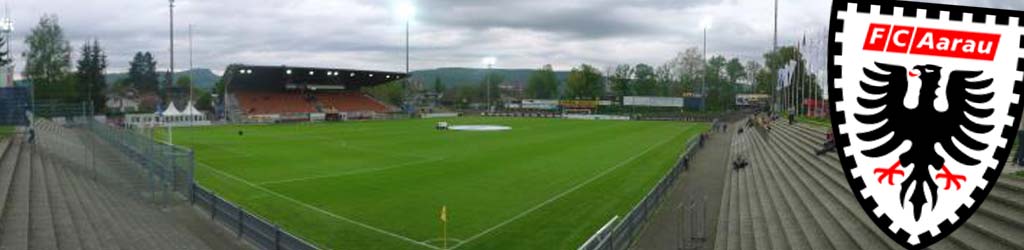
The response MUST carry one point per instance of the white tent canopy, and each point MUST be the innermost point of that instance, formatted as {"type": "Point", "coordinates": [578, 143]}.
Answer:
{"type": "Point", "coordinates": [171, 116]}
{"type": "Point", "coordinates": [191, 110]}
{"type": "Point", "coordinates": [171, 110]}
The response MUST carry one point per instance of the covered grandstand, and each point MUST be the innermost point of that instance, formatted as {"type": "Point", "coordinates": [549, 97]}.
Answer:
{"type": "Point", "coordinates": [284, 93]}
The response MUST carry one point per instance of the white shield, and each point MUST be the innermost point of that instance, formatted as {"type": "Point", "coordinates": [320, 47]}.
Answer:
{"type": "Point", "coordinates": [926, 103]}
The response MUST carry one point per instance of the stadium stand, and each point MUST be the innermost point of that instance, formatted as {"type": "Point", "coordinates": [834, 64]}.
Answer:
{"type": "Point", "coordinates": [49, 206]}
{"type": "Point", "coordinates": [273, 103]}
{"type": "Point", "coordinates": [260, 91]}
{"type": "Point", "coordinates": [791, 199]}
{"type": "Point", "coordinates": [351, 102]}
{"type": "Point", "coordinates": [51, 198]}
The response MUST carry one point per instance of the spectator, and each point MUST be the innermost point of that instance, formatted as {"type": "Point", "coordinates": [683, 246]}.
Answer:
{"type": "Point", "coordinates": [828, 145]}
{"type": "Point", "coordinates": [740, 162]}
{"type": "Point", "coordinates": [31, 135]}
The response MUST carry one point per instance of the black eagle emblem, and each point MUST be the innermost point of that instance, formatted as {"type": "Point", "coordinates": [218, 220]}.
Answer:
{"type": "Point", "coordinates": [924, 125]}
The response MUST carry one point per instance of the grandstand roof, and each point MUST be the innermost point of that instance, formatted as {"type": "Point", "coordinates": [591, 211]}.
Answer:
{"type": "Point", "coordinates": [278, 78]}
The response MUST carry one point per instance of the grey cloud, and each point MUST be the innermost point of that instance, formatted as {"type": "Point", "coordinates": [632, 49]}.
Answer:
{"type": "Point", "coordinates": [446, 33]}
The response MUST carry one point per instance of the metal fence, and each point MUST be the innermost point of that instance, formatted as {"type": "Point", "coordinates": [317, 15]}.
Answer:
{"type": "Point", "coordinates": [246, 225]}
{"type": "Point", "coordinates": [168, 168]}
{"type": "Point", "coordinates": [623, 233]}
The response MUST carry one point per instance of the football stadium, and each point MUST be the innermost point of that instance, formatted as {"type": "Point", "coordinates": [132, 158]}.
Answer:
{"type": "Point", "coordinates": [295, 141]}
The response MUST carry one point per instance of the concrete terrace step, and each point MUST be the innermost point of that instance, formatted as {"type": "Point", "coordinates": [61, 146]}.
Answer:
{"type": "Point", "coordinates": [129, 234]}
{"type": "Point", "coordinates": [151, 225]}
{"type": "Point", "coordinates": [796, 237]}
{"type": "Point", "coordinates": [8, 163]}
{"type": "Point", "coordinates": [729, 216]}
{"type": "Point", "coordinates": [68, 234]}
{"type": "Point", "coordinates": [106, 237]}
{"type": "Point", "coordinates": [810, 229]}
{"type": "Point", "coordinates": [778, 237]}
{"type": "Point", "coordinates": [747, 224]}
{"type": "Point", "coordinates": [757, 212]}
{"type": "Point", "coordinates": [88, 233]}
{"type": "Point", "coordinates": [43, 234]}
{"type": "Point", "coordinates": [820, 222]}
{"type": "Point", "coordinates": [15, 219]}
{"type": "Point", "coordinates": [733, 233]}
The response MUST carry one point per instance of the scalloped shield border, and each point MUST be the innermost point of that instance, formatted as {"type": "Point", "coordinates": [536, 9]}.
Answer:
{"type": "Point", "coordinates": [836, 94]}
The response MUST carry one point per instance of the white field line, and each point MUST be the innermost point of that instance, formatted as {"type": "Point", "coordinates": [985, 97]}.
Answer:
{"type": "Point", "coordinates": [564, 193]}
{"type": "Point", "coordinates": [450, 239]}
{"type": "Point", "coordinates": [353, 172]}
{"type": "Point", "coordinates": [314, 208]}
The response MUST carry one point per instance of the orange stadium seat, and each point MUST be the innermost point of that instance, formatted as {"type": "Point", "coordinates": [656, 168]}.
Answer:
{"type": "Point", "coordinates": [273, 103]}
{"type": "Point", "coordinates": [351, 102]}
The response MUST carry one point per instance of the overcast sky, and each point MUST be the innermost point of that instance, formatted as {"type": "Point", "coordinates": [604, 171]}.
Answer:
{"type": "Point", "coordinates": [366, 34]}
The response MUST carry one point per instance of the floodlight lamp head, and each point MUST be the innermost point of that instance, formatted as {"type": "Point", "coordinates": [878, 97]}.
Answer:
{"type": "Point", "coordinates": [706, 22]}
{"type": "Point", "coordinates": [406, 11]}
{"type": "Point", "coordinates": [490, 60]}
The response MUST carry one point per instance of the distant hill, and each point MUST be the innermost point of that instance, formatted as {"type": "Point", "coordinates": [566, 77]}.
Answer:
{"type": "Point", "coordinates": [204, 78]}
{"type": "Point", "coordinates": [473, 76]}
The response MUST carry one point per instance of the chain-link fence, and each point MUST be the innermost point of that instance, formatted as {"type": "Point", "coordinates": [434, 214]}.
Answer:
{"type": "Point", "coordinates": [167, 168]}
{"type": "Point", "coordinates": [129, 161]}
{"type": "Point", "coordinates": [622, 234]}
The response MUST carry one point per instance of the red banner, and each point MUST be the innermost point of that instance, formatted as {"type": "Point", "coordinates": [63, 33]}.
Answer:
{"type": "Point", "coordinates": [931, 42]}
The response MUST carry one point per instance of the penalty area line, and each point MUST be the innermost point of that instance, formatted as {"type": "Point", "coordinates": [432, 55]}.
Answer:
{"type": "Point", "coordinates": [566, 192]}
{"type": "Point", "coordinates": [317, 209]}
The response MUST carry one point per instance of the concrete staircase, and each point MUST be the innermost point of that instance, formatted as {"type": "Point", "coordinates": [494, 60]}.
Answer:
{"type": "Point", "coordinates": [46, 205]}
{"type": "Point", "coordinates": [791, 199]}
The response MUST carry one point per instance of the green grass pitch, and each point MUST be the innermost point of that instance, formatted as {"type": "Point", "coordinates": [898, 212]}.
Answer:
{"type": "Point", "coordinates": [545, 184]}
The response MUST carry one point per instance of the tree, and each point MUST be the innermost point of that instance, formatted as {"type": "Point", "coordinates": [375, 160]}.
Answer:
{"type": "Point", "coordinates": [438, 86]}
{"type": "Point", "coordinates": [48, 60]}
{"type": "Point", "coordinates": [753, 69]}
{"type": "Point", "coordinates": [183, 82]}
{"type": "Point", "coordinates": [803, 83]}
{"type": "Point", "coordinates": [5, 57]}
{"type": "Point", "coordinates": [463, 95]}
{"type": "Point", "coordinates": [735, 71]}
{"type": "Point", "coordinates": [646, 83]}
{"type": "Point", "coordinates": [543, 83]}
{"type": "Point", "coordinates": [667, 84]}
{"type": "Point", "coordinates": [621, 79]}
{"type": "Point", "coordinates": [91, 81]}
{"type": "Point", "coordinates": [392, 93]}
{"type": "Point", "coordinates": [688, 67]}
{"type": "Point", "coordinates": [142, 72]}
{"type": "Point", "coordinates": [585, 82]}
{"type": "Point", "coordinates": [494, 79]}
{"type": "Point", "coordinates": [205, 101]}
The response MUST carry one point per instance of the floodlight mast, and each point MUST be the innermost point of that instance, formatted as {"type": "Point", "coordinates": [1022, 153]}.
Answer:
{"type": "Point", "coordinates": [489, 61]}
{"type": "Point", "coordinates": [706, 24]}
{"type": "Point", "coordinates": [406, 12]}
{"type": "Point", "coordinates": [170, 74]}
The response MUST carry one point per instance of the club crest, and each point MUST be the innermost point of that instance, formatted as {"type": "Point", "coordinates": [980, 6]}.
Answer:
{"type": "Point", "coordinates": [926, 102]}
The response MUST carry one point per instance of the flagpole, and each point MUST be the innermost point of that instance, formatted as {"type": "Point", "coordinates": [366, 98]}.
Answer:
{"type": "Point", "coordinates": [444, 227]}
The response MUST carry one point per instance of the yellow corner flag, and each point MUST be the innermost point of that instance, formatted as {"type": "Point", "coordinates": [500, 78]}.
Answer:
{"type": "Point", "coordinates": [444, 226]}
